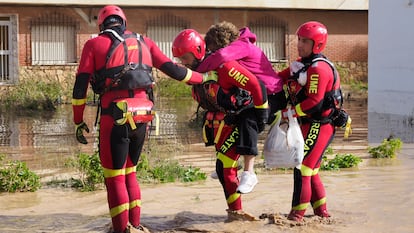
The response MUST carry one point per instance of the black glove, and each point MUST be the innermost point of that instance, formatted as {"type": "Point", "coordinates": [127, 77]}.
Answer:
{"type": "Point", "coordinates": [235, 100]}
{"type": "Point", "coordinates": [225, 100]}
{"type": "Point", "coordinates": [262, 115]}
{"type": "Point", "coordinates": [79, 128]}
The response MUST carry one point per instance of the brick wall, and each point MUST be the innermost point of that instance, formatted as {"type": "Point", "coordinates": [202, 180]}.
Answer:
{"type": "Point", "coordinates": [348, 30]}
{"type": "Point", "coordinates": [347, 41]}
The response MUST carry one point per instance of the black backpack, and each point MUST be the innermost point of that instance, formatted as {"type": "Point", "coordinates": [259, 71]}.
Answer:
{"type": "Point", "coordinates": [124, 68]}
{"type": "Point", "coordinates": [333, 99]}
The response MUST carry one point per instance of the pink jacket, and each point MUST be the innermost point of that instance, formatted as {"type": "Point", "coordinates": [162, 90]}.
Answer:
{"type": "Point", "coordinates": [248, 55]}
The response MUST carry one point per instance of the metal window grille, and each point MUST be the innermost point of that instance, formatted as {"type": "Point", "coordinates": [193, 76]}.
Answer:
{"type": "Point", "coordinates": [5, 49]}
{"type": "Point", "coordinates": [271, 37]}
{"type": "Point", "coordinates": [163, 30]}
{"type": "Point", "coordinates": [53, 40]}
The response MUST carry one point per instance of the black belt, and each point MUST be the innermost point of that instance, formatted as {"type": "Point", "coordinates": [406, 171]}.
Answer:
{"type": "Point", "coordinates": [323, 121]}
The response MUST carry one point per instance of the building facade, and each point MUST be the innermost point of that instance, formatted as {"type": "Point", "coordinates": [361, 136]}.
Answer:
{"type": "Point", "coordinates": [45, 39]}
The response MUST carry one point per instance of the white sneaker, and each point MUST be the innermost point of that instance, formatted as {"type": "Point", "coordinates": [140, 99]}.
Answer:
{"type": "Point", "coordinates": [214, 175]}
{"type": "Point", "coordinates": [247, 182]}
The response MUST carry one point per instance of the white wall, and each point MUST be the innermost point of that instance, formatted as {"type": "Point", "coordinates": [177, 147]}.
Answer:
{"type": "Point", "coordinates": [390, 69]}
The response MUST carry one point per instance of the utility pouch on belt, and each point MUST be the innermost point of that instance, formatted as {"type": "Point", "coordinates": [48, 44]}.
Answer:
{"type": "Point", "coordinates": [133, 110]}
{"type": "Point", "coordinates": [342, 120]}
{"type": "Point", "coordinates": [213, 125]}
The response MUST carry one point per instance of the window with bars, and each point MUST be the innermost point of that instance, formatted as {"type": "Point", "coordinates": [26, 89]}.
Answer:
{"type": "Point", "coordinates": [5, 49]}
{"type": "Point", "coordinates": [163, 30]}
{"type": "Point", "coordinates": [9, 65]}
{"type": "Point", "coordinates": [53, 40]}
{"type": "Point", "coordinates": [271, 37]}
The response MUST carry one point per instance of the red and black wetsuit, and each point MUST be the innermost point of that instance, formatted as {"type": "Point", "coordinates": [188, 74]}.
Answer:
{"type": "Point", "coordinates": [119, 145]}
{"type": "Point", "coordinates": [236, 134]}
{"type": "Point", "coordinates": [318, 132]}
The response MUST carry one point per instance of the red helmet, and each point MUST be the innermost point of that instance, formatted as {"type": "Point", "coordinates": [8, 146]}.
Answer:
{"type": "Point", "coordinates": [109, 10]}
{"type": "Point", "coordinates": [189, 40]}
{"type": "Point", "coordinates": [315, 31]}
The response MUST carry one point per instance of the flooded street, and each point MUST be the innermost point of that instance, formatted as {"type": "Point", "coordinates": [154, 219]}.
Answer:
{"type": "Point", "coordinates": [375, 197]}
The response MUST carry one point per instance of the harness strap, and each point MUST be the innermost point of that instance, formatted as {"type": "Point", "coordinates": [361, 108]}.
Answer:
{"type": "Point", "coordinates": [125, 53]}
{"type": "Point", "coordinates": [324, 120]}
{"type": "Point", "coordinates": [329, 98]}
{"type": "Point", "coordinates": [127, 117]}
{"type": "Point", "coordinates": [116, 75]}
{"type": "Point", "coordinates": [98, 110]}
{"type": "Point", "coordinates": [348, 129]}
{"type": "Point", "coordinates": [214, 123]}
{"type": "Point", "coordinates": [139, 51]}
{"type": "Point", "coordinates": [108, 111]}
{"type": "Point", "coordinates": [219, 130]}
{"type": "Point", "coordinates": [116, 39]}
{"type": "Point", "coordinates": [204, 132]}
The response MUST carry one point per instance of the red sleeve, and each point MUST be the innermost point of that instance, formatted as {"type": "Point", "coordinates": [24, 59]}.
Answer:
{"type": "Point", "coordinates": [94, 54]}
{"type": "Point", "coordinates": [285, 74]}
{"type": "Point", "coordinates": [93, 58]}
{"type": "Point", "coordinates": [233, 74]}
{"type": "Point", "coordinates": [158, 57]}
{"type": "Point", "coordinates": [89, 60]}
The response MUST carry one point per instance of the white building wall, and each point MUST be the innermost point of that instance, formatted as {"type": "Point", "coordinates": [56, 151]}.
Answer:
{"type": "Point", "coordinates": [390, 70]}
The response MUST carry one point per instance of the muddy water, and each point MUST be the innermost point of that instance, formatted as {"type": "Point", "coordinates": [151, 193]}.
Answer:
{"type": "Point", "coordinates": [44, 141]}
{"type": "Point", "coordinates": [376, 197]}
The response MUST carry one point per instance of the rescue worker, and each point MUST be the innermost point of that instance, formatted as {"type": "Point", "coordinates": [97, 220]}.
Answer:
{"type": "Point", "coordinates": [121, 140]}
{"type": "Point", "coordinates": [237, 111]}
{"type": "Point", "coordinates": [309, 83]}
{"type": "Point", "coordinates": [227, 43]}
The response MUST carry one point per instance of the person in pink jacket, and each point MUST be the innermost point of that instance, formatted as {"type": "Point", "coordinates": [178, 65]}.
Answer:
{"type": "Point", "coordinates": [226, 42]}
